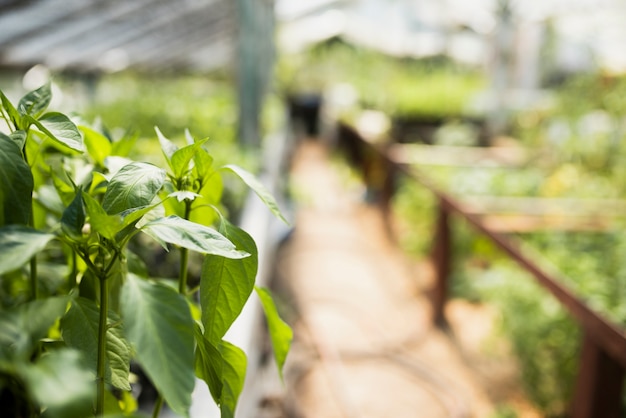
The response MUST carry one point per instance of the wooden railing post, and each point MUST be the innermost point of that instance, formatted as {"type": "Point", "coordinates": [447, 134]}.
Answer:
{"type": "Point", "coordinates": [598, 390]}
{"type": "Point", "coordinates": [442, 255]}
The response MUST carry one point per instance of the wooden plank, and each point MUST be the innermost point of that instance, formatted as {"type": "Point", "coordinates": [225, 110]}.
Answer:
{"type": "Point", "coordinates": [461, 156]}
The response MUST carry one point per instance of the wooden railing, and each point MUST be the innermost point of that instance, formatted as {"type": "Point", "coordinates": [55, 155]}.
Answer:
{"type": "Point", "coordinates": [598, 390]}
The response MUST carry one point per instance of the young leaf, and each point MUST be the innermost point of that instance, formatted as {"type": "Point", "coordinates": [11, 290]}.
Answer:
{"type": "Point", "coordinates": [35, 102]}
{"type": "Point", "coordinates": [105, 225]}
{"type": "Point", "coordinates": [79, 328]}
{"type": "Point", "coordinates": [19, 137]}
{"type": "Point", "coordinates": [60, 129]}
{"type": "Point", "coordinates": [167, 146]}
{"type": "Point", "coordinates": [134, 186]}
{"type": "Point", "coordinates": [280, 333]}
{"type": "Point", "coordinates": [186, 234]}
{"type": "Point", "coordinates": [74, 215]}
{"type": "Point", "coordinates": [13, 114]}
{"type": "Point", "coordinates": [258, 188]}
{"type": "Point", "coordinates": [208, 364]}
{"type": "Point", "coordinates": [16, 184]}
{"type": "Point", "coordinates": [158, 324]}
{"type": "Point", "coordinates": [60, 383]}
{"type": "Point", "coordinates": [226, 284]}
{"type": "Point", "coordinates": [22, 327]}
{"type": "Point", "coordinates": [98, 146]}
{"type": "Point", "coordinates": [181, 158]}
{"type": "Point", "coordinates": [233, 377]}
{"type": "Point", "coordinates": [18, 244]}
{"type": "Point", "coordinates": [203, 165]}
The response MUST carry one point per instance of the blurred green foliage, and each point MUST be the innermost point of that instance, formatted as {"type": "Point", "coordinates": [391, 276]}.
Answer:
{"type": "Point", "coordinates": [432, 87]}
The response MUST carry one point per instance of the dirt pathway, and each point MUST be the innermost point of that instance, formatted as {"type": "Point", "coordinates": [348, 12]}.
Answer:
{"type": "Point", "coordinates": [364, 345]}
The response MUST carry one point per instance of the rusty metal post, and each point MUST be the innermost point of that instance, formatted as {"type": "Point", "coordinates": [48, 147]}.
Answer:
{"type": "Point", "coordinates": [442, 257]}
{"type": "Point", "coordinates": [598, 391]}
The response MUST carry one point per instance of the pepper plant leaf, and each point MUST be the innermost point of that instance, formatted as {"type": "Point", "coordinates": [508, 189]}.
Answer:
{"type": "Point", "coordinates": [186, 234]}
{"type": "Point", "coordinates": [98, 146]}
{"type": "Point", "coordinates": [79, 327]}
{"type": "Point", "coordinates": [13, 114]}
{"type": "Point", "coordinates": [60, 129]}
{"type": "Point", "coordinates": [133, 186]}
{"type": "Point", "coordinates": [104, 224]}
{"type": "Point", "coordinates": [167, 146]}
{"type": "Point", "coordinates": [234, 363]}
{"type": "Point", "coordinates": [19, 137]}
{"type": "Point", "coordinates": [280, 333]}
{"type": "Point", "coordinates": [35, 102]}
{"type": "Point", "coordinates": [226, 284]}
{"type": "Point", "coordinates": [258, 188]}
{"type": "Point", "coordinates": [60, 382]}
{"type": "Point", "coordinates": [22, 327]}
{"type": "Point", "coordinates": [208, 364]}
{"type": "Point", "coordinates": [16, 184]}
{"type": "Point", "coordinates": [182, 157]}
{"type": "Point", "coordinates": [73, 218]}
{"type": "Point", "coordinates": [158, 323]}
{"type": "Point", "coordinates": [18, 244]}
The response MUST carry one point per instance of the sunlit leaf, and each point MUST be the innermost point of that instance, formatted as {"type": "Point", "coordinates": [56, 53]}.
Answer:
{"type": "Point", "coordinates": [104, 224]}
{"type": "Point", "coordinates": [258, 188]}
{"type": "Point", "coordinates": [186, 234]}
{"type": "Point", "coordinates": [233, 377]}
{"type": "Point", "coordinates": [35, 102]}
{"type": "Point", "coordinates": [226, 284]}
{"type": "Point", "coordinates": [167, 146]}
{"type": "Point", "coordinates": [181, 158]}
{"type": "Point", "coordinates": [80, 330]}
{"type": "Point", "coordinates": [134, 186]}
{"type": "Point", "coordinates": [60, 129]}
{"type": "Point", "coordinates": [13, 114]}
{"type": "Point", "coordinates": [16, 184]}
{"type": "Point", "coordinates": [98, 146]}
{"type": "Point", "coordinates": [18, 244]}
{"type": "Point", "coordinates": [280, 333]}
{"type": "Point", "coordinates": [158, 323]}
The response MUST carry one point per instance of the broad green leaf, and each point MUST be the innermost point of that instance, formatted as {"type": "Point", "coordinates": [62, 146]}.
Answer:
{"type": "Point", "coordinates": [98, 146]}
{"type": "Point", "coordinates": [158, 323]}
{"type": "Point", "coordinates": [60, 129]}
{"type": "Point", "coordinates": [226, 284]}
{"type": "Point", "coordinates": [125, 145]}
{"type": "Point", "coordinates": [167, 146]}
{"type": "Point", "coordinates": [104, 224]}
{"type": "Point", "coordinates": [13, 114]}
{"type": "Point", "coordinates": [74, 215]}
{"type": "Point", "coordinates": [35, 102]}
{"type": "Point", "coordinates": [280, 333]}
{"type": "Point", "coordinates": [181, 158]}
{"type": "Point", "coordinates": [79, 328]}
{"type": "Point", "coordinates": [233, 377]}
{"type": "Point", "coordinates": [60, 383]}
{"type": "Point", "coordinates": [99, 183]}
{"type": "Point", "coordinates": [258, 188]}
{"type": "Point", "coordinates": [186, 234]}
{"type": "Point", "coordinates": [18, 244]}
{"type": "Point", "coordinates": [22, 327]}
{"type": "Point", "coordinates": [208, 364]}
{"type": "Point", "coordinates": [203, 165]}
{"type": "Point", "coordinates": [19, 137]}
{"type": "Point", "coordinates": [134, 186]}
{"type": "Point", "coordinates": [16, 184]}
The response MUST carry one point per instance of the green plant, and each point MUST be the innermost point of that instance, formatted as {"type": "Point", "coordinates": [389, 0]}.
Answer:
{"type": "Point", "coordinates": [76, 305]}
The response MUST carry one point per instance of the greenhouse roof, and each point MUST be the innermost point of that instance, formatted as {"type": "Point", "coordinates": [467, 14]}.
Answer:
{"type": "Point", "coordinates": [97, 35]}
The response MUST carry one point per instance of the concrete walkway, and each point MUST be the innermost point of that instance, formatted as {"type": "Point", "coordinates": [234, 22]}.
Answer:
{"type": "Point", "coordinates": [364, 345]}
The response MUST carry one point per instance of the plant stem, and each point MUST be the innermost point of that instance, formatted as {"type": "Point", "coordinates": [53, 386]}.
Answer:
{"type": "Point", "coordinates": [74, 272]}
{"type": "Point", "coordinates": [184, 258]}
{"type": "Point", "coordinates": [102, 329]}
{"type": "Point", "coordinates": [157, 406]}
